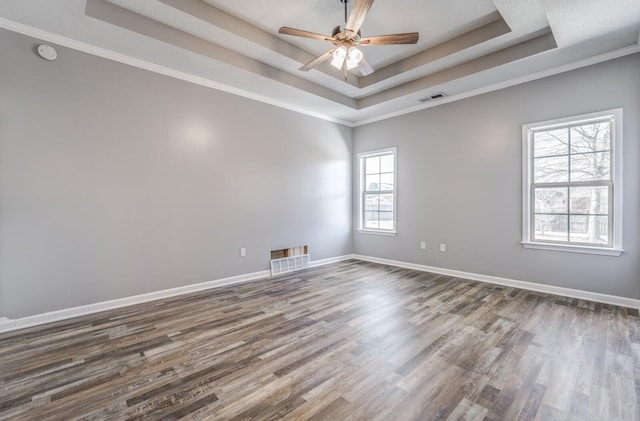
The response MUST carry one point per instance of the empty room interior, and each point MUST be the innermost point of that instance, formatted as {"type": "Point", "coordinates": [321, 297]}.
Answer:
{"type": "Point", "coordinates": [320, 210]}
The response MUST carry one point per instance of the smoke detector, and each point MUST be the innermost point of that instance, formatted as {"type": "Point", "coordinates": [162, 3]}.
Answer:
{"type": "Point", "coordinates": [47, 52]}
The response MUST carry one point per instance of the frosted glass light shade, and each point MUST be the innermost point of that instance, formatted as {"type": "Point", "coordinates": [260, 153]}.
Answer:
{"type": "Point", "coordinates": [338, 57]}
{"type": "Point", "coordinates": [354, 57]}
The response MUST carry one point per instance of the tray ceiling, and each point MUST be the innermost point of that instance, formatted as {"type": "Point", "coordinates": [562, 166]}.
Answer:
{"type": "Point", "coordinates": [465, 47]}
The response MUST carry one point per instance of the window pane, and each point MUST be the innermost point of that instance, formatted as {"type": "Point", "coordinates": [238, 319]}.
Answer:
{"type": "Point", "coordinates": [371, 220]}
{"type": "Point", "coordinates": [590, 166]}
{"type": "Point", "coordinates": [371, 202]}
{"type": "Point", "coordinates": [550, 170]}
{"type": "Point", "coordinates": [386, 202]}
{"type": "Point", "coordinates": [589, 229]}
{"type": "Point", "coordinates": [386, 216]}
{"type": "Point", "coordinates": [386, 181]}
{"type": "Point", "coordinates": [551, 200]}
{"type": "Point", "coordinates": [591, 137]}
{"type": "Point", "coordinates": [386, 164]}
{"type": "Point", "coordinates": [372, 165]}
{"type": "Point", "coordinates": [372, 182]}
{"type": "Point", "coordinates": [386, 220]}
{"type": "Point", "coordinates": [551, 142]}
{"type": "Point", "coordinates": [591, 199]}
{"type": "Point", "coordinates": [551, 227]}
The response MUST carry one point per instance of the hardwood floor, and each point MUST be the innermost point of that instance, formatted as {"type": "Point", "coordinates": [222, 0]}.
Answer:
{"type": "Point", "coordinates": [353, 340]}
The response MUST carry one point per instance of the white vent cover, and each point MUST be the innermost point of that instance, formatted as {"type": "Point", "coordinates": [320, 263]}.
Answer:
{"type": "Point", "coordinates": [289, 264]}
{"type": "Point", "coordinates": [434, 96]}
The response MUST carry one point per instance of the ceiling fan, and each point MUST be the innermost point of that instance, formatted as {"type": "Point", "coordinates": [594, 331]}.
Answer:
{"type": "Point", "coordinates": [346, 55]}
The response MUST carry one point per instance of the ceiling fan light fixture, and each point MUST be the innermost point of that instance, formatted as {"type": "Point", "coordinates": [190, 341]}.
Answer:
{"type": "Point", "coordinates": [345, 56]}
{"type": "Point", "coordinates": [339, 56]}
{"type": "Point", "coordinates": [354, 57]}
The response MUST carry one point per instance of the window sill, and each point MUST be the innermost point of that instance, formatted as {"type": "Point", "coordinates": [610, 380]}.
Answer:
{"type": "Point", "coordinates": [574, 248]}
{"type": "Point", "coordinates": [377, 232]}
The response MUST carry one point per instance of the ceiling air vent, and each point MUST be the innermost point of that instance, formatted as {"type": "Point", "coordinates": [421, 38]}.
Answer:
{"type": "Point", "coordinates": [434, 96]}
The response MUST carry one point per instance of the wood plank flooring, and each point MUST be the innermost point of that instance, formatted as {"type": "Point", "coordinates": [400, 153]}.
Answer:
{"type": "Point", "coordinates": [349, 341]}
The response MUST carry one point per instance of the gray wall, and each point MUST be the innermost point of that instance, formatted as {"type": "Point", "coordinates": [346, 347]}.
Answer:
{"type": "Point", "coordinates": [116, 181]}
{"type": "Point", "coordinates": [459, 180]}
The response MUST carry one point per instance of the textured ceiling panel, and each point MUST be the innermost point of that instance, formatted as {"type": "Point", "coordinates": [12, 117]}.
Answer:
{"type": "Point", "coordinates": [574, 21]}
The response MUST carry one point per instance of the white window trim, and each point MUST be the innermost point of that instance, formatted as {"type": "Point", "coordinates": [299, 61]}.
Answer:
{"type": "Point", "coordinates": [360, 193]}
{"type": "Point", "coordinates": [616, 177]}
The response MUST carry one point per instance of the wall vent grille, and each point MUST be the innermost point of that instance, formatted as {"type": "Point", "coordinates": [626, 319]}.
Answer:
{"type": "Point", "coordinates": [289, 264]}
{"type": "Point", "coordinates": [434, 96]}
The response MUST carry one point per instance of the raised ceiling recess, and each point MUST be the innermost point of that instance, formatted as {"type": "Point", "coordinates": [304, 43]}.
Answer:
{"type": "Point", "coordinates": [464, 47]}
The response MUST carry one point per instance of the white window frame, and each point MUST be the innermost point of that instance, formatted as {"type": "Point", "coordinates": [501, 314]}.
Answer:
{"type": "Point", "coordinates": [614, 248]}
{"type": "Point", "coordinates": [361, 192]}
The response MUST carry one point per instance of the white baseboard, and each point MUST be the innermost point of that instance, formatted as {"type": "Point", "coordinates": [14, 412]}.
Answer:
{"type": "Point", "coordinates": [330, 260]}
{"type": "Point", "coordinates": [67, 313]}
{"type": "Point", "coordinates": [531, 286]}
{"type": "Point", "coordinates": [7, 324]}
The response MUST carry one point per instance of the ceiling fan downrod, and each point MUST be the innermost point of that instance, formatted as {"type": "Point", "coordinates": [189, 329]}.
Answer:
{"type": "Point", "coordinates": [345, 9]}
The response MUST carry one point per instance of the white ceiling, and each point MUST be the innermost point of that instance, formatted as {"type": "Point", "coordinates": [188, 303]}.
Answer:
{"type": "Point", "coordinates": [466, 46]}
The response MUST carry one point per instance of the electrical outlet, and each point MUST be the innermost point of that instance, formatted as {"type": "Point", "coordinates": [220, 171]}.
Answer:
{"type": "Point", "coordinates": [423, 245]}
{"type": "Point", "coordinates": [443, 247]}
{"type": "Point", "coordinates": [243, 252]}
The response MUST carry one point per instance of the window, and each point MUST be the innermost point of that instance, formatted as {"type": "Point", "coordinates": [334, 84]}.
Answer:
{"type": "Point", "coordinates": [572, 186]}
{"type": "Point", "coordinates": [377, 191]}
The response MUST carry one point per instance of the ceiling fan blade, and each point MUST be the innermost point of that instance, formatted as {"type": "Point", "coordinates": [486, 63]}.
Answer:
{"type": "Point", "coordinates": [317, 60]}
{"type": "Point", "coordinates": [408, 38]}
{"type": "Point", "coordinates": [301, 33]}
{"type": "Point", "coordinates": [358, 13]}
{"type": "Point", "coordinates": [364, 67]}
